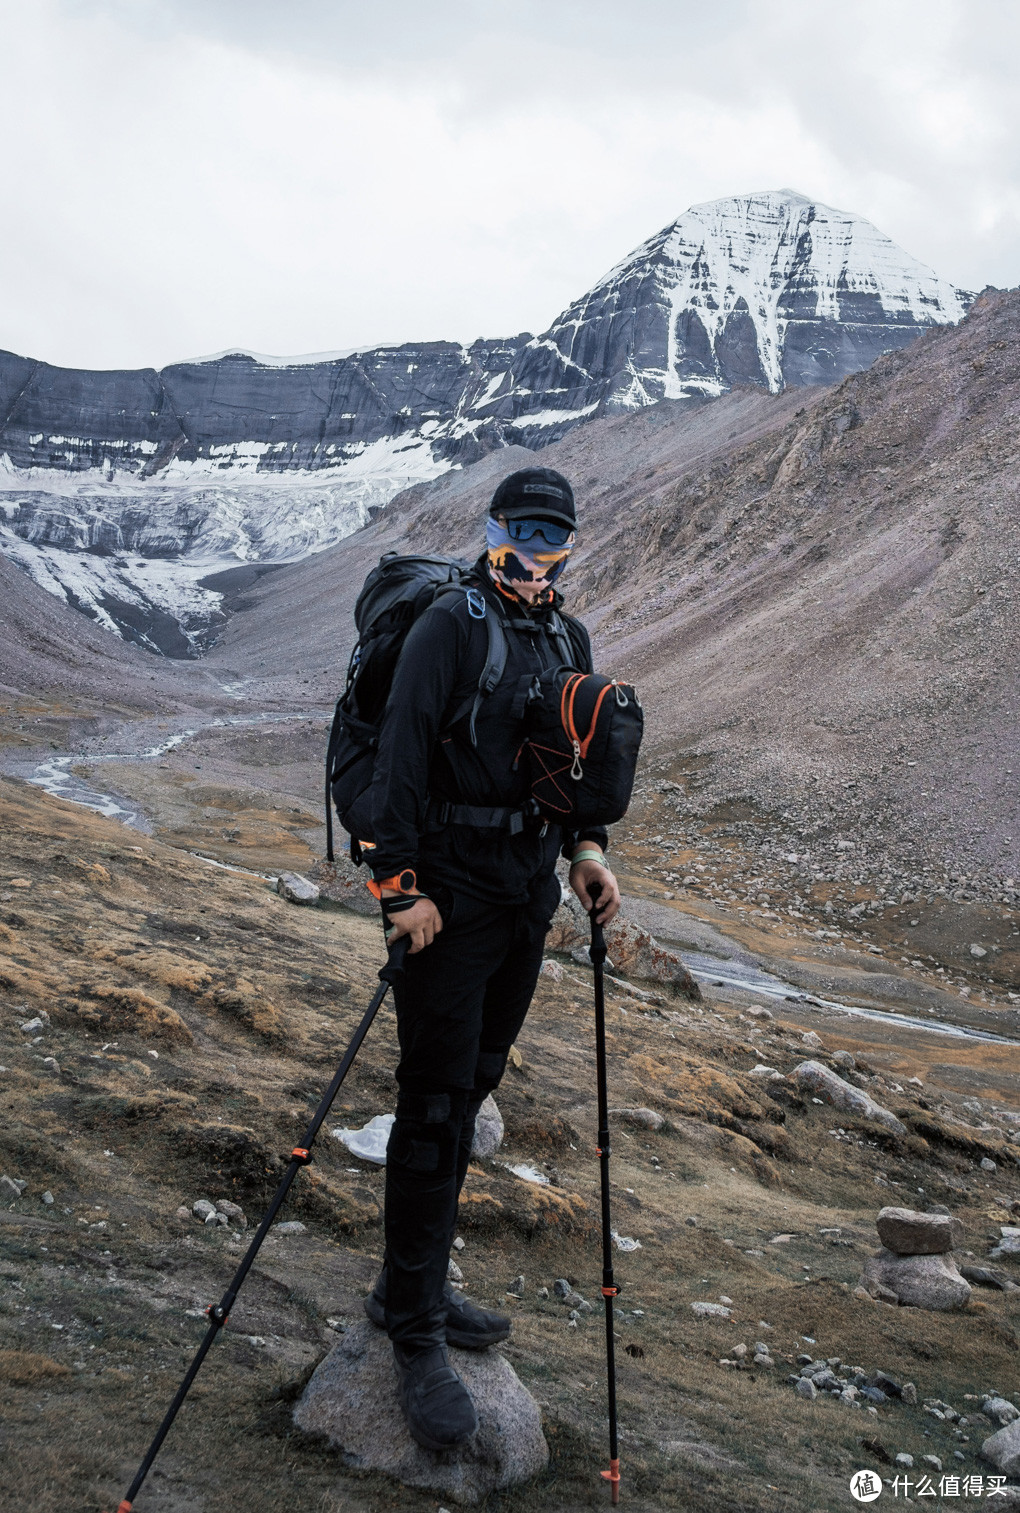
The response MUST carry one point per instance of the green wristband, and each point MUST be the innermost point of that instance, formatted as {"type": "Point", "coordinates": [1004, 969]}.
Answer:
{"type": "Point", "coordinates": [588, 856]}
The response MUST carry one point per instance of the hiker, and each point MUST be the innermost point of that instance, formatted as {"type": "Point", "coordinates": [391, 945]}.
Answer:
{"type": "Point", "coordinates": [463, 864]}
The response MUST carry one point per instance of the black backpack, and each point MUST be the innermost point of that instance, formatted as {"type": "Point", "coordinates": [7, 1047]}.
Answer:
{"type": "Point", "coordinates": [393, 597]}
{"type": "Point", "coordinates": [584, 733]}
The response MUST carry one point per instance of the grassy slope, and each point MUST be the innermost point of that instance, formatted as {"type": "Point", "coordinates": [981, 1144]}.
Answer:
{"type": "Point", "coordinates": [133, 947]}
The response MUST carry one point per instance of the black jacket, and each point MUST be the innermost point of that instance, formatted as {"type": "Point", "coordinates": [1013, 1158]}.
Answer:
{"type": "Point", "coordinates": [420, 757]}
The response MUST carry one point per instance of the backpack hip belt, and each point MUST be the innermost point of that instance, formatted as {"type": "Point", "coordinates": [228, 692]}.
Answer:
{"type": "Point", "coordinates": [480, 817]}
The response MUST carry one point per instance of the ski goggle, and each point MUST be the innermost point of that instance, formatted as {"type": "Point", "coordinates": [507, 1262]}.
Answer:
{"type": "Point", "coordinates": [524, 530]}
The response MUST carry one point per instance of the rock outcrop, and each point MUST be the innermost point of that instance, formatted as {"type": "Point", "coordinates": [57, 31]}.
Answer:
{"type": "Point", "coordinates": [352, 1402]}
{"type": "Point", "coordinates": [812, 1077]}
{"type": "Point", "coordinates": [632, 951]}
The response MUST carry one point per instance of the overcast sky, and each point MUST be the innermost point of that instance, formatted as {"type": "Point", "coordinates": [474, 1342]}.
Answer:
{"type": "Point", "coordinates": [292, 176]}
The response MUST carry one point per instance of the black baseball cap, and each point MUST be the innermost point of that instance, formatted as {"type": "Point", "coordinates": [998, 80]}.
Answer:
{"type": "Point", "coordinates": [535, 493]}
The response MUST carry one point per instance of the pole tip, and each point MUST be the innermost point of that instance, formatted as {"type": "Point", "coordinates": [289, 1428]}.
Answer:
{"type": "Point", "coordinates": [612, 1476]}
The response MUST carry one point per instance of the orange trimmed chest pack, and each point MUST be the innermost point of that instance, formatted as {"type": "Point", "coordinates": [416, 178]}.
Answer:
{"type": "Point", "coordinates": [580, 753]}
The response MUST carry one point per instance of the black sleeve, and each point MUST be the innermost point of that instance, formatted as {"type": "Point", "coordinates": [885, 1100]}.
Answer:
{"type": "Point", "coordinates": [423, 685]}
{"type": "Point", "coordinates": [598, 833]}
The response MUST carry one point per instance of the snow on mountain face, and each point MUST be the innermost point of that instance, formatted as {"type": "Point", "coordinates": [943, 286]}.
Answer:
{"type": "Point", "coordinates": [122, 491]}
{"type": "Point", "coordinates": [768, 289]}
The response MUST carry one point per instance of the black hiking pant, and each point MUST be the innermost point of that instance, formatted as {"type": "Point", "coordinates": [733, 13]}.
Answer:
{"type": "Point", "coordinates": [460, 1006]}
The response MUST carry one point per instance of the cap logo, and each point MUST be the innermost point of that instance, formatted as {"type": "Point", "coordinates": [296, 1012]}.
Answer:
{"type": "Point", "coordinates": [548, 489]}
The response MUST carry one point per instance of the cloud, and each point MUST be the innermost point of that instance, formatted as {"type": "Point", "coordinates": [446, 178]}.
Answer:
{"type": "Point", "coordinates": [187, 175]}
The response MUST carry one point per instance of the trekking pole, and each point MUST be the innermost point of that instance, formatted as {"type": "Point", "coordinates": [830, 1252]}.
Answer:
{"type": "Point", "coordinates": [597, 952]}
{"type": "Point", "coordinates": [300, 1156]}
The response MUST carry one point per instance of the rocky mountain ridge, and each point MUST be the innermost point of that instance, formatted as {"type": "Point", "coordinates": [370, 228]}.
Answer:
{"type": "Point", "coordinates": [122, 491]}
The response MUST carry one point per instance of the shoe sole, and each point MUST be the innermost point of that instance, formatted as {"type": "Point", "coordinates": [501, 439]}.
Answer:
{"type": "Point", "coordinates": [455, 1337]}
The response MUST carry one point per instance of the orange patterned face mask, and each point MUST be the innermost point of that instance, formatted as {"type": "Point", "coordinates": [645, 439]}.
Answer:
{"type": "Point", "coordinates": [533, 561]}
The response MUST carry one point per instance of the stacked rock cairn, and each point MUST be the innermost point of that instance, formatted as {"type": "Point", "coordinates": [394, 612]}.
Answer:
{"type": "Point", "coordinates": [915, 1265]}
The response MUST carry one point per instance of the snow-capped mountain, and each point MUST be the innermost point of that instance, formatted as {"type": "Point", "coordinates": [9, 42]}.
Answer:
{"type": "Point", "coordinates": [122, 490]}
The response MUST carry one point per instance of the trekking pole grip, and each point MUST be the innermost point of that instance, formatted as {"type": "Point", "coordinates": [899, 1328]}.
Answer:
{"type": "Point", "coordinates": [394, 966]}
{"type": "Point", "coordinates": [597, 949]}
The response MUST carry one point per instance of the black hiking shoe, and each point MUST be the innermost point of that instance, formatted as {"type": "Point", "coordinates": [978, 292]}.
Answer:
{"type": "Point", "coordinates": [467, 1327]}
{"type": "Point", "coordinates": [436, 1404]}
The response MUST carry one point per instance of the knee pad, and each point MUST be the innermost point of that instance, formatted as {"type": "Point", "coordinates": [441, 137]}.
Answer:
{"type": "Point", "coordinates": [426, 1132]}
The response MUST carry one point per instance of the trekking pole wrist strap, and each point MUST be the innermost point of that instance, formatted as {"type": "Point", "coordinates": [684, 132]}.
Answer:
{"type": "Point", "coordinates": [587, 856]}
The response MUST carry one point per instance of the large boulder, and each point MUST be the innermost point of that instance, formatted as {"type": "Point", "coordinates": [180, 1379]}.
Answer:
{"type": "Point", "coordinates": [488, 1136]}
{"type": "Point", "coordinates": [812, 1077]}
{"type": "Point", "coordinates": [910, 1233]}
{"type": "Point", "coordinates": [344, 883]}
{"type": "Point", "coordinates": [1003, 1449]}
{"type": "Point", "coordinates": [352, 1402]}
{"type": "Point", "coordinates": [632, 951]}
{"type": "Point", "coordinates": [930, 1281]}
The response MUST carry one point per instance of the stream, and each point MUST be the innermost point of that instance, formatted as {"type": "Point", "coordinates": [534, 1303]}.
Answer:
{"type": "Point", "coordinates": [54, 775]}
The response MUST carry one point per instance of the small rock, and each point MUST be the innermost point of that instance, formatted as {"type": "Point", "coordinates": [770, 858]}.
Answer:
{"type": "Point", "coordinates": [296, 889]}
{"type": "Point", "coordinates": [863, 1294]}
{"type": "Point", "coordinates": [10, 1192]}
{"type": "Point", "coordinates": [233, 1211]}
{"type": "Point", "coordinates": [910, 1233]}
{"type": "Point", "coordinates": [988, 1165]}
{"type": "Point", "coordinates": [453, 1271]}
{"type": "Point", "coordinates": [543, 1292]}
{"type": "Point", "coordinates": [908, 1393]}
{"type": "Point", "coordinates": [727, 1302]}
{"type": "Point", "coordinates": [758, 1011]}
{"type": "Point", "coordinates": [214, 1218]}
{"type": "Point", "coordinates": [488, 1136]}
{"type": "Point", "coordinates": [646, 1118]}
{"type": "Point", "coordinates": [184, 1212]}
{"type": "Point", "coordinates": [202, 1209]}
{"type": "Point", "coordinates": [562, 1288]}
{"type": "Point", "coordinates": [904, 1460]}
{"type": "Point", "coordinates": [458, 1244]}
{"type": "Point", "coordinates": [1000, 1411]}
{"type": "Point", "coordinates": [806, 1388]}
{"type": "Point", "coordinates": [711, 1310]}
{"type": "Point", "coordinates": [552, 970]}
{"type": "Point", "coordinates": [47, 1197]}
{"type": "Point", "coordinates": [874, 1394]}
{"type": "Point", "coordinates": [738, 1352]}
{"type": "Point", "coordinates": [761, 1070]}
{"type": "Point", "coordinates": [51, 1063]}
{"type": "Point", "coordinates": [516, 1287]}
{"type": "Point", "coordinates": [811, 1040]}
{"type": "Point", "coordinates": [932, 1461]}
{"type": "Point", "coordinates": [762, 1358]}
{"type": "Point", "coordinates": [978, 951]}
{"type": "Point", "coordinates": [34, 1026]}
{"type": "Point", "coordinates": [813, 1077]}
{"type": "Point", "coordinates": [989, 1276]}
{"type": "Point", "coordinates": [290, 1227]}
{"type": "Point", "coordinates": [1009, 1244]}
{"type": "Point", "coordinates": [845, 1060]}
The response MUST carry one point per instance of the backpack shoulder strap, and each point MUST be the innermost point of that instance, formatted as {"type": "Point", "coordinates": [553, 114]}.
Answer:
{"type": "Point", "coordinates": [492, 672]}
{"type": "Point", "coordinates": [560, 637]}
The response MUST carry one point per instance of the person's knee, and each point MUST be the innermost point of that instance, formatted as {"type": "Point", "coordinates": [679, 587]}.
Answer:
{"type": "Point", "coordinates": [489, 1069]}
{"type": "Point", "coordinates": [426, 1131]}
